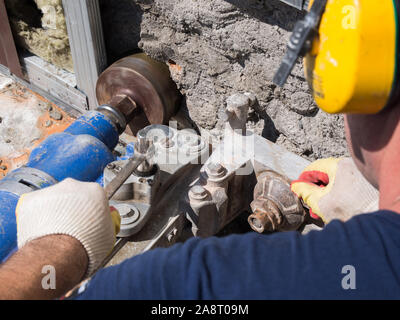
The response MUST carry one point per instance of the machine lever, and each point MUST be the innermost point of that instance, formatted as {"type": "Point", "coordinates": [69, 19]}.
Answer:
{"type": "Point", "coordinates": [124, 174]}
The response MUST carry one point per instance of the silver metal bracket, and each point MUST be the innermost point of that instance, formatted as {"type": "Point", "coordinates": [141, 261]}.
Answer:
{"type": "Point", "coordinates": [86, 39]}
{"type": "Point", "coordinates": [56, 84]}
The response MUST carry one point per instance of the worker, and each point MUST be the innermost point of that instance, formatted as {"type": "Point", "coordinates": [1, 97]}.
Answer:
{"type": "Point", "coordinates": [67, 229]}
{"type": "Point", "coordinates": [68, 226]}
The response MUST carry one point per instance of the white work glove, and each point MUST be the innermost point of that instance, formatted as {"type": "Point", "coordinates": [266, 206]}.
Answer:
{"type": "Point", "coordinates": [335, 189]}
{"type": "Point", "coordinates": [77, 209]}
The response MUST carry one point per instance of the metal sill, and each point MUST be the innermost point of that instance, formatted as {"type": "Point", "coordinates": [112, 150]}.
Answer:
{"type": "Point", "coordinates": [58, 85]}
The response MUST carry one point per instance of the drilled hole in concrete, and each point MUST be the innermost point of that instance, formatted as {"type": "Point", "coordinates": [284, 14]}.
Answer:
{"type": "Point", "coordinates": [171, 62]}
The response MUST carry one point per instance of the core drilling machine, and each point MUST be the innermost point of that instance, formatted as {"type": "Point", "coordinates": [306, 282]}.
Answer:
{"type": "Point", "coordinates": [132, 93]}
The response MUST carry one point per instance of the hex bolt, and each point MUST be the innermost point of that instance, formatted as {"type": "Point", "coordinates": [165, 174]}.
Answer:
{"type": "Point", "coordinates": [125, 211]}
{"type": "Point", "coordinates": [237, 110]}
{"type": "Point", "coordinates": [215, 170]}
{"type": "Point", "coordinates": [128, 214]}
{"type": "Point", "coordinates": [198, 192]}
{"type": "Point", "coordinates": [117, 169]}
{"type": "Point", "coordinates": [111, 166]}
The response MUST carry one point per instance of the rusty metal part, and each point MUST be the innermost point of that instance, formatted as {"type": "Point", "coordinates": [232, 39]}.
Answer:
{"type": "Point", "coordinates": [141, 88]}
{"type": "Point", "coordinates": [275, 206]}
{"type": "Point", "coordinates": [266, 216]}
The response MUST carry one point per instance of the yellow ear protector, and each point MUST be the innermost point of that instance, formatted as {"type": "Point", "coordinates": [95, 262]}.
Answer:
{"type": "Point", "coordinates": [351, 54]}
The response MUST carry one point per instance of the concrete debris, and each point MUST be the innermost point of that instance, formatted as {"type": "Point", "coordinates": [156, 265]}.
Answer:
{"type": "Point", "coordinates": [54, 114]}
{"type": "Point", "coordinates": [24, 125]}
{"type": "Point", "coordinates": [19, 124]}
{"type": "Point", "coordinates": [5, 82]}
{"type": "Point", "coordinates": [216, 48]}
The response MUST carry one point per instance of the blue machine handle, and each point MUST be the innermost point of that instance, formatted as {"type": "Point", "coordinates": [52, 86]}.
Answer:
{"type": "Point", "coordinates": [81, 152]}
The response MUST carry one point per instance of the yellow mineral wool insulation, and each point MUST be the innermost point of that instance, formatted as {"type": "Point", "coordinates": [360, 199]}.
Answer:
{"type": "Point", "coordinates": [45, 34]}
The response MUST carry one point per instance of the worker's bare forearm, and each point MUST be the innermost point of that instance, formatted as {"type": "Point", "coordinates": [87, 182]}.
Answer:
{"type": "Point", "coordinates": [45, 268]}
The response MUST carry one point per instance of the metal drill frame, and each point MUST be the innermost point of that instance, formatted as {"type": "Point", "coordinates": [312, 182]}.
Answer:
{"type": "Point", "coordinates": [87, 44]}
{"type": "Point", "coordinates": [177, 213]}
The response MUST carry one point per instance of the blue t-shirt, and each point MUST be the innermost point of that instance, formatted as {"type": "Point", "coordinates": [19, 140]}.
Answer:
{"type": "Point", "coordinates": [359, 259]}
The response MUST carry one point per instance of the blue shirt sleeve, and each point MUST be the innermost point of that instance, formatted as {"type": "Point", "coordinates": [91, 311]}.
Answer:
{"type": "Point", "coordinates": [278, 266]}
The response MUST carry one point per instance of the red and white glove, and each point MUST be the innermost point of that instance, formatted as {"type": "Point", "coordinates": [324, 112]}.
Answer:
{"type": "Point", "coordinates": [335, 189]}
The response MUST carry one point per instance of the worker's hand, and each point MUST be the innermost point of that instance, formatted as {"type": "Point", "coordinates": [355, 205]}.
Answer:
{"type": "Point", "coordinates": [77, 209]}
{"type": "Point", "coordinates": [335, 189]}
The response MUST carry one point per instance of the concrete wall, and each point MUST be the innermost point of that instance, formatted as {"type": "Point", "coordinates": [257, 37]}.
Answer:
{"type": "Point", "coordinates": [215, 48]}
{"type": "Point", "coordinates": [219, 47]}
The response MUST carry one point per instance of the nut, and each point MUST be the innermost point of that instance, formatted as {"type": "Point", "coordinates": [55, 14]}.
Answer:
{"type": "Point", "coordinates": [215, 170]}
{"type": "Point", "coordinates": [111, 166]}
{"type": "Point", "coordinates": [198, 192]}
{"type": "Point", "coordinates": [117, 168]}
